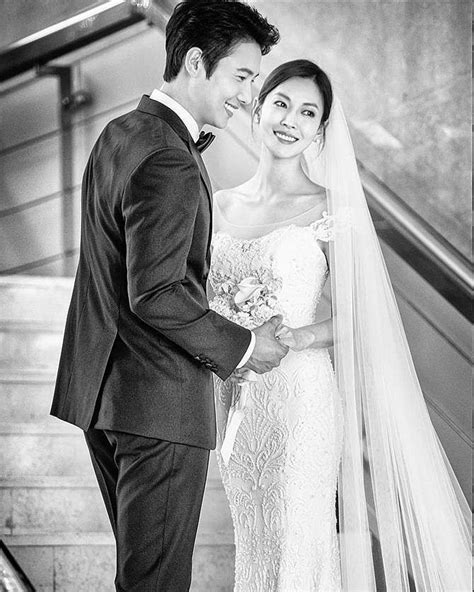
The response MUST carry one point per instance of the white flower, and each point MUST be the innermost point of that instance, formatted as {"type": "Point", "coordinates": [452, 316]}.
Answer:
{"type": "Point", "coordinates": [249, 290]}
{"type": "Point", "coordinates": [248, 303]}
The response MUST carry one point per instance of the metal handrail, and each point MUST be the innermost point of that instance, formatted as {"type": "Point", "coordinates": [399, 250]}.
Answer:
{"type": "Point", "coordinates": [156, 12]}
{"type": "Point", "coordinates": [455, 264]}
{"type": "Point", "coordinates": [447, 270]}
{"type": "Point", "coordinates": [66, 36]}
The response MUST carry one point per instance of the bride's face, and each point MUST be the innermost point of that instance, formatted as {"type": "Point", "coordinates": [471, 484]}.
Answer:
{"type": "Point", "coordinates": [290, 117]}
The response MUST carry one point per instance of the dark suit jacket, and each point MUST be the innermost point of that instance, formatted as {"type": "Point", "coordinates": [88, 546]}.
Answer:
{"type": "Point", "coordinates": [140, 341]}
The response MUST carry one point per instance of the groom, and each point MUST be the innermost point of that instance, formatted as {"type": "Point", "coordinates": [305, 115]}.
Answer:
{"type": "Point", "coordinates": [140, 341]}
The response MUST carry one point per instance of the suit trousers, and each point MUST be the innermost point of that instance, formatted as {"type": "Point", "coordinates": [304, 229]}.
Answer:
{"type": "Point", "coordinates": [153, 493]}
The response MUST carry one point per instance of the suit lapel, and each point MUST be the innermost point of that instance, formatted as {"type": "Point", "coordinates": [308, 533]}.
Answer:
{"type": "Point", "coordinates": [205, 177]}
{"type": "Point", "coordinates": [156, 108]}
{"type": "Point", "coordinates": [202, 168]}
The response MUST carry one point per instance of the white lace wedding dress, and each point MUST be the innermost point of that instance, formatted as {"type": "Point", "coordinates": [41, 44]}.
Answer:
{"type": "Point", "coordinates": [282, 475]}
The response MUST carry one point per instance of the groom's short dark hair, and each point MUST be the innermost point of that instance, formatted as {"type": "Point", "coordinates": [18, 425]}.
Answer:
{"type": "Point", "coordinates": [216, 27]}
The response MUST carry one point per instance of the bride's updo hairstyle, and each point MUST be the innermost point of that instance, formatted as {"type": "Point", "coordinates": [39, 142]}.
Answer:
{"type": "Point", "coordinates": [298, 69]}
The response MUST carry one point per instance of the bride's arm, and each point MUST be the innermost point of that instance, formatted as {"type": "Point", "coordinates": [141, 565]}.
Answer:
{"type": "Point", "coordinates": [319, 335]}
{"type": "Point", "coordinates": [316, 336]}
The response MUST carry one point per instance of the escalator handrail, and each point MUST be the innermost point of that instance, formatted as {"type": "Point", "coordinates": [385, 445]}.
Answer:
{"type": "Point", "coordinates": [68, 35]}
{"type": "Point", "coordinates": [411, 225]}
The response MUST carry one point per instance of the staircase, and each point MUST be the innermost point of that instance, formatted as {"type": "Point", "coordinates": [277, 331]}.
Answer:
{"type": "Point", "coordinates": [52, 515]}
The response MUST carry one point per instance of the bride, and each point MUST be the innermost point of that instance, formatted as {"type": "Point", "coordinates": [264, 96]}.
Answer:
{"type": "Point", "coordinates": [289, 439]}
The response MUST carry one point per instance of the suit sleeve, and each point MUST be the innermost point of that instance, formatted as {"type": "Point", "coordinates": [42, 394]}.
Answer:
{"type": "Point", "coordinates": [159, 207]}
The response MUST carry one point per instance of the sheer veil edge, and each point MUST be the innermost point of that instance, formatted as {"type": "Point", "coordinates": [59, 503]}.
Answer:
{"type": "Point", "coordinates": [395, 479]}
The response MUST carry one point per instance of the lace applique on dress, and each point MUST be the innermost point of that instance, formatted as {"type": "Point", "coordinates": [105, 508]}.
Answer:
{"type": "Point", "coordinates": [325, 227]}
{"type": "Point", "coordinates": [282, 474]}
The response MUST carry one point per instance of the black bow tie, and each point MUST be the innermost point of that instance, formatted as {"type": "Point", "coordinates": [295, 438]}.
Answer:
{"type": "Point", "coordinates": [204, 141]}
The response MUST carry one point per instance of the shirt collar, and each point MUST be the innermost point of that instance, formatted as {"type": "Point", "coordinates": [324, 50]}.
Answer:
{"type": "Point", "coordinates": [181, 112]}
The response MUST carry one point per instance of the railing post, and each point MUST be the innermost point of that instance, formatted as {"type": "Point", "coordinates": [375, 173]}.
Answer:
{"type": "Point", "coordinates": [69, 101]}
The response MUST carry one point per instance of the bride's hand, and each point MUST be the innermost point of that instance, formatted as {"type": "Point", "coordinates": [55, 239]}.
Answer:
{"type": "Point", "coordinates": [296, 339]}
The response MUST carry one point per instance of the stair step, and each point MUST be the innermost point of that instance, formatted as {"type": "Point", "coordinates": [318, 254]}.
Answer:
{"type": "Point", "coordinates": [51, 426]}
{"type": "Point", "coordinates": [80, 508]}
{"type": "Point", "coordinates": [25, 402]}
{"type": "Point", "coordinates": [72, 481]}
{"type": "Point", "coordinates": [32, 326]}
{"type": "Point", "coordinates": [92, 539]}
{"type": "Point", "coordinates": [34, 298]}
{"type": "Point", "coordinates": [26, 345]}
{"type": "Point", "coordinates": [69, 562]}
{"type": "Point", "coordinates": [60, 539]}
{"type": "Point", "coordinates": [51, 448]}
{"type": "Point", "coordinates": [213, 568]}
{"type": "Point", "coordinates": [28, 449]}
{"type": "Point", "coordinates": [49, 510]}
{"type": "Point", "coordinates": [78, 562]}
{"type": "Point", "coordinates": [55, 482]}
{"type": "Point", "coordinates": [27, 376]}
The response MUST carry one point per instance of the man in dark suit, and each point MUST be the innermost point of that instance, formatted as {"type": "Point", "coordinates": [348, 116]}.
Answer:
{"type": "Point", "coordinates": [140, 341]}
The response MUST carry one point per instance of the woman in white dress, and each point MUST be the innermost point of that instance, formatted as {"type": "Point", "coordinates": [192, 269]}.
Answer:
{"type": "Point", "coordinates": [282, 435]}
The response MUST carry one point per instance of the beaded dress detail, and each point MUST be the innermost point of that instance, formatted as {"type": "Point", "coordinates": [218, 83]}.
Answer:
{"type": "Point", "coordinates": [281, 477]}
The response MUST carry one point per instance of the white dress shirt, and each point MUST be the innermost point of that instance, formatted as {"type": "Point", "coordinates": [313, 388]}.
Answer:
{"type": "Point", "coordinates": [193, 129]}
{"type": "Point", "coordinates": [181, 112]}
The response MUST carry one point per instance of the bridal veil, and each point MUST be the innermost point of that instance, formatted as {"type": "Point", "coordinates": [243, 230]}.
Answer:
{"type": "Point", "coordinates": [395, 478]}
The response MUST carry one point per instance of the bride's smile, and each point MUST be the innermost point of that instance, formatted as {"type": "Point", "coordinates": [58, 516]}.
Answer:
{"type": "Point", "coordinates": [290, 118]}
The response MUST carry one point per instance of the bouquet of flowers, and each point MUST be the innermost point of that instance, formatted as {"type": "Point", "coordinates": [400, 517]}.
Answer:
{"type": "Point", "coordinates": [250, 302]}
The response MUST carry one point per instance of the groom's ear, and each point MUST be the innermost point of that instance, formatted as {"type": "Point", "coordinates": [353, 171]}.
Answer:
{"type": "Point", "coordinates": [193, 61]}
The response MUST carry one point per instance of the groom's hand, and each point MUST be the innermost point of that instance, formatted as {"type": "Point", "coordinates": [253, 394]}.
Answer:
{"type": "Point", "coordinates": [268, 351]}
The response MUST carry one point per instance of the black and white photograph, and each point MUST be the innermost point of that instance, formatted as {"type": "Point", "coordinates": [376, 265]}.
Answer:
{"type": "Point", "coordinates": [236, 295]}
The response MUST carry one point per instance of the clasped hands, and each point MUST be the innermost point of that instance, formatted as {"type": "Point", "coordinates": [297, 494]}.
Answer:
{"type": "Point", "coordinates": [273, 341]}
